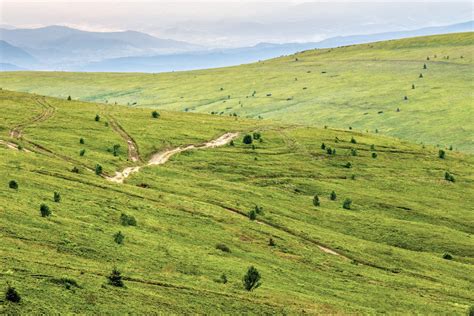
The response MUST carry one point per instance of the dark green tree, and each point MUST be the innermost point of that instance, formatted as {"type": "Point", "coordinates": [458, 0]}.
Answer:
{"type": "Point", "coordinates": [155, 114]}
{"type": "Point", "coordinates": [57, 197]}
{"type": "Point", "coordinates": [12, 295]}
{"type": "Point", "coordinates": [44, 210]}
{"type": "Point", "coordinates": [115, 278]}
{"type": "Point", "coordinates": [119, 237]}
{"type": "Point", "coordinates": [316, 201]}
{"type": "Point", "coordinates": [247, 139]}
{"type": "Point", "coordinates": [98, 169]}
{"type": "Point", "coordinates": [69, 98]}
{"type": "Point", "coordinates": [347, 204]}
{"type": "Point", "coordinates": [251, 279]}
{"type": "Point", "coordinates": [13, 185]}
{"type": "Point", "coordinates": [252, 215]}
{"type": "Point", "coordinates": [333, 196]}
{"type": "Point", "coordinates": [97, 118]}
{"type": "Point", "coordinates": [442, 154]}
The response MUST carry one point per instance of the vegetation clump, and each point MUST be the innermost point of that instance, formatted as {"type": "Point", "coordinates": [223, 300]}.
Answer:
{"type": "Point", "coordinates": [98, 169]}
{"type": "Point", "coordinates": [441, 154]}
{"type": "Point", "coordinates": [374, 155]}
{"type": "Point", "coordinates": [271, 242]}
{"type": "Point", "coordinates": [447, 256]}
{"type": "Point", "coordinates": [45, 210]}
{"type": "Point", "coordinates": [128, 220]}
{"type": "Point", "coordinates": [353, 141]}
{"type": "Point", "coordinates": [97, 118]}
{"type": "Point", "coordinates": [223, 248]}
{"type": "Point", "coordinates": [247, 139]}
{"type": "Point", "coordinates": [57, 197]}
{"type": "Point", "coordinates": [251, 279]}
{"type": "Point", "coordinates": [316, 201]}
{"type": "Point", "coordinates": [115, 278]}
{"type": "Point", "coordinates": [82, 152]}
{"type": "Point", "coordinates": [155, 114]}
{"type": "Point", "coordinates": [13, 185]}
{"type": "Point", "coordinates": [81, 141]}
{"type": "Point", "coordinates": [12, 295]}
{"type": "Point", "coordinates": [119, 237]}
{"type": "Point", "coordinates": [448, 177]}
{"type": "Point", "coordinates": [347, 204]}
{"type": "Point", "coordinates": [252, 215]}
{"type": "Point", "coordinates": [333, 196]}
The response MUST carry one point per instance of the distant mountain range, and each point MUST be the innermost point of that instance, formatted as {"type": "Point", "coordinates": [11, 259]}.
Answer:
{"type": "Point", "coordinates": [63, 48]}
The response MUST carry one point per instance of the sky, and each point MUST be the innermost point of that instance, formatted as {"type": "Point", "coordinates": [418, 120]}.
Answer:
{"type": "Point", "coordinates": [236, 23]}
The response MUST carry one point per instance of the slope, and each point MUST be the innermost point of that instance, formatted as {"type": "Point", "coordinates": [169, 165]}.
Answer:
{"type": "Point", "coordinates": [381, 87]}
{"type": "Point", "coordinates": [382, 254]}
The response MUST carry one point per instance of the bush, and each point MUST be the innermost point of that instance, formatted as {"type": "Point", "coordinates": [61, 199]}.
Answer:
{"type": "Point", "coordinates": [347, 204]}
{"type": "Point", "coordinates": [98, 169]}
{"type": "Point", "coordinates": [470, 311]}
{"type": "Point", "coordinates": [44, 210]}
{"type": "Point", "coordinates": [119, 237]}
{"type": "Point", "coordinates": [223, 278]}
{"type": "Point", "coordinates": [353, 152]}
{"type": "Point", "coordinates": [75, 170]}
{"type": "Point", "coordinates": [232, 143]}
{"type": "Point", "coordinates": [374, 155]}
{"type": "Point", "coordinates": [420, 76]}
{"type": "Point", "coordinates": [128, 220]}
{"type": "Point", "coordinates": [13, 185]}
{"type": "Point", "coordinates": [323, 146]}
{"type": "Point", "coordinates": [12, 295]}
{"type": "Point", "coordinates": [223, 248]}
{"type": "Point", "coordinates": [252, 215]}
{"type": "Point", "coordinates": [424, 66]}
{"type": "Point", "coordinates": [413, 86]}
{"type": "Point", "coordinates": [256, 135]}
{"type": "Point", "coordinates": [251, 279]}
{"type": "Point", "coordinates": [334, 151]}
{"type": "Point", "coordinates": [372, 147]}
{"type": "Point", "coordinates": [247, 139]}
{"type": "Point", "coordinates": [81, 141]}
{"type": "Point", "coordinates": [353, 141]}
{"type": "Point", "coordinates": [68, 283]}
{"type": "Point", "coordinates": [271, 242]}
{"type": "Point", "coordinates": [447, 256]}
{"type": "Point", "coordinates": [155, 114]}
{"type": "Point", "coordinates": [115, 150]}
{"type": "Point", "coordinates": [333, 196]}
{"type": "Point", "coordinates": [329, 151]}
{"type": "Point", "coordinates": [115, 278]}
{"type": "Point", "coordinates": [442, 154]}
{"type": "Point", "coordinates": [316, 201]}
{"type": "Point", "coordinates": [57, 197]}
{"type": "Point", "coordinates": [448, 177]}
{"type": "Point", "coordinates": [82, 152]}
{"type": "Point", "coordinates": [97, 118]}
{"type": "Point", "coordinates": [259, 210]}
{"type": "Point", "coordinates": [348, 165]}
{"type": "Point", "coordinates": [69, 98]}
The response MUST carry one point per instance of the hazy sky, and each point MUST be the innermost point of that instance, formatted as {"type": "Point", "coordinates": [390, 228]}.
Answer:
{"type": "Point", "coordinates": [236, 23]}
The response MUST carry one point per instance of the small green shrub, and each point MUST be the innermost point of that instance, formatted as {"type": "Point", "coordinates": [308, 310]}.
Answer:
{"type": "Point", "coordinates": [57, 197]}
{"type": "Point", "coordinates": [128, 220]}
{"type": "Point", "coordinates": [333, 196]}
{"type": "Point", "coordinates": [98, 169]}
{"type": "Point", "coordinates": [348, 165]}
{"type": "Point", "coordinates": [247, 139]}
{"type": "Point", "coordinates": [82, 152]}
{"type": "Point", "coordinates": [353, 141]}
{"type": "Point", "coordinates": [69, 98]}
{"type": "Point", "coordinates": [329, 151]}
{"type": "Point", "coordinates": [115, 278]}
{"type": "Point", "coordinates": [223, 248]}
{"type": "Point", "coordinates": [82, 141]}
{"type": "Point", "coordinates": [252, 215]}
{"type": "Point", "coordinates": [232, 143]}
{"type": "Point", "coordinates": [223, 278]}
{"type": "Point", "coordinates": [68, 283]}
{"type": "Point", "coordinates": [447, 256]}
{"type": "Point", "coordinates": [448, 177]}
{"type": "Point", "coordinates": [256, 135]}
{"type": "Point", "coordinates": [271, 242]}
{"type": "Point", "coordinates": [12, 295]}
{"type": "Point", "coordinates": [259, 210]}
{"type": "Point", "coordinates": [316, 201]}
{"type": "Point", "coordinates": [75, 170]}
{"type": "Point", "coordinates": [442, 154]}
{"type": "Point", "coordinates": [347, 204]}
{"type": "Point", "coordinates": [13, 185]}
{"type": "Point", "coordinates": [155, 114]}
{"type": "Point", "coordinates": [251, 279]}
{"type": "Point", "coordinates": [45, 210]}
{"type": "Point", "coordinates": [470, 311]}
{"type": "Point", "coordinates": [97, 118]}
{"type": "Point", "coordinates": [353, 152]}
{"type": "Point", "coordinates": [323, 146]}
{"type": "Point", "coordinates": [374, 155]}
{"type": "Point", "coordinates": [119, 238]}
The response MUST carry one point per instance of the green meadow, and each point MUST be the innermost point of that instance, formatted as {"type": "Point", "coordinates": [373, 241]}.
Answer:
{"type": "Point", "coordinates": [403, 246]}
{"type": "Point", "coordinates": [369, 87]}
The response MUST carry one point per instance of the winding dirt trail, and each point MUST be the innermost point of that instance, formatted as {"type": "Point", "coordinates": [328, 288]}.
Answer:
{"type": "Point", "coordinates": [133, 154]}
{"type": "Point", "coordinates": [48, 111]}
{"type": "Point", "coordinates": [163, 156]}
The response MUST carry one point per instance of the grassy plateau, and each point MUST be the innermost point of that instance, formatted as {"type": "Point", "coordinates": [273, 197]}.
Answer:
{"type": "Point", "coordinates": [335, 220]}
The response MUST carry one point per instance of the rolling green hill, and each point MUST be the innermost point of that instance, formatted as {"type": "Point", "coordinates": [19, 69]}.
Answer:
{"type": "Point", "coordinates": [404, 244]}
{"type": "Point", "coordinates": [369, 87]}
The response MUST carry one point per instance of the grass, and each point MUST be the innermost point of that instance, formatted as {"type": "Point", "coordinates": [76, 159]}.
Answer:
{"type": "Point", "coordinates": [359, 86]}
{"type": "Point", "coordinates": [404, 217]}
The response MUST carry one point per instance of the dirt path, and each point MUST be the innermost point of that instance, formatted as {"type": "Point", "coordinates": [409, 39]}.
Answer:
{"type": "Point", "coordinates": [163, 156]}
{"type": "Point", "coordinates": [133, 154]}
{"type": "Point", "coordinates": [13, 146]}
{"type": "Point", "coordinates": [48, 111]}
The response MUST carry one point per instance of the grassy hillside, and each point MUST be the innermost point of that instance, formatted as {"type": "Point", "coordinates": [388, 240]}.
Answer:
{"type": "Point", "coordinates": [383, 254]}
{"type": "Point", "coordinates": [362, 86]}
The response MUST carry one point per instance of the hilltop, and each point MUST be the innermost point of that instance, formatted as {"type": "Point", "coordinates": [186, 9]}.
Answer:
{"type": "Point", "coordinates": [184, 232]}
{"type": "Point", "coordinates": [417, 89]}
